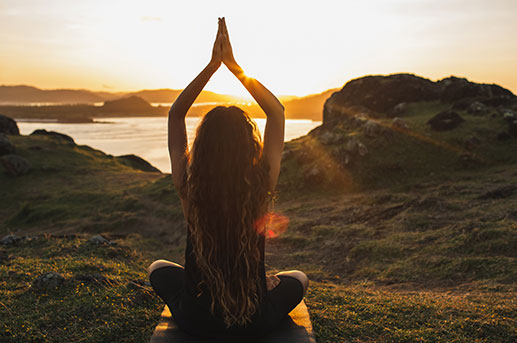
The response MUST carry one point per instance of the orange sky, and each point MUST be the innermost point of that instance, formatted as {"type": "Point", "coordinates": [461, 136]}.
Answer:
{"type": "Point", "coordinates": [293, 47]}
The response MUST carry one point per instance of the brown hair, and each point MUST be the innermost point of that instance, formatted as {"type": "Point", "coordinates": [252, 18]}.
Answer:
{"type": "Point", "coordinates": [227, 187]}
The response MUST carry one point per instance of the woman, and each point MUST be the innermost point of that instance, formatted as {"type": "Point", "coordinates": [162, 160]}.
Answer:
{"type": "Point", "coordinates": [225, 185]}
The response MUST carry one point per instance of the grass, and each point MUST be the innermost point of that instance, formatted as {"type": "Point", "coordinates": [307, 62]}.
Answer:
{"type": "Point", "coordinates": [366, 314]}
{"type": "Point", "coordinates": [82, 309]}
{"type": "Point", "coordinates": [408, 244]}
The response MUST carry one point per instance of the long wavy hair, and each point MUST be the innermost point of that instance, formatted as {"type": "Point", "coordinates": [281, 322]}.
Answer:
{"type": "Point", "coordinates": [227, 187]}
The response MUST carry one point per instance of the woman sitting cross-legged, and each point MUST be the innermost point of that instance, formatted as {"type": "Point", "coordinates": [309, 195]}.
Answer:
{"type": "Point", "coordinates": [225, 185]}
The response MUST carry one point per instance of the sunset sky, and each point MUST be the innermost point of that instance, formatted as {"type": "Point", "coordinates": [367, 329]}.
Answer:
{"type": "Point", "coordinates": [293, 47]}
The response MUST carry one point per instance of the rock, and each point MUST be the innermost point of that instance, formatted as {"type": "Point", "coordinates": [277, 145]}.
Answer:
{"type": "Point", "coordinates": [137, 163]}
{"type": "Point", "coordinates": [399, 109]}
{"type": "Point", "coordinates": [8, 126]}
{"type": "Point", "coordinates": [9, 239]}
{"type": "Point", "coordinates": [314, 175]}
{"type": "Point", "coordinates": [477, 108]}
{"type": "Point", "coordinates": [5, 146]}
{"type": "Point", "coordinates": [16, 165]}
{"type": "Point", "coordinates": [329, 137]}
{"type": "Point", "coordinates": [382, 94]}
{"type": "Point", "coordinates": [49, 280]}
{"type": "Point", "coordinates": [98, 239]}
{"type": "Point", "coordinates": [509, 115]}
{"type": "Point", "coordinates": [399, 124]}
{"type": "Point", "coordinates": [356, 147]}
{"type": "Point", "coordinates": [342, 156]}
{"type": "Point", "coordinates": [446, 120]}
{"type": "Point", "coordinates": [53, 134]}
{"type": "Point", "coordinates": [454, 88]}
{"type": "Point", "coordinates": [374, 129]}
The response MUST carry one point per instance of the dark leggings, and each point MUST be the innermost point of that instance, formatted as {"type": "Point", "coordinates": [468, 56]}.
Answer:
{"type": "Point", "coordinates": [169, 283]}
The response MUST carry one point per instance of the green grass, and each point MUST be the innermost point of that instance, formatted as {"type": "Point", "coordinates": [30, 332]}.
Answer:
{"type": "Point", "coordinates": [118, 310]}
{"type": "Point", "coordinates": [403, 157]}
{"type": "Point", "coordinates": [77, 186]}
{"type": "Point", "coordinates": [405, 245]}
{"type": "Point", "coordinates": [366, 314]}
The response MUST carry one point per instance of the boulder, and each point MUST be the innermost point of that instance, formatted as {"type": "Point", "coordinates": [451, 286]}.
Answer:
{"type": "Point", "coordinates": [137, 163]}
{"type": "Point", "coordinates": [356, 147]}
{"type": "Point", "coordinates": [446, 120]}
{"type": "Point", "coordinates": [5, 146]}
{"type": "Point", "coordinates": [454, 88]}
{"type": "Point", "coordinates": [53, 134]}
{"type": "Point", "coordinates": [98, 239]}
{"type": "Point", "coordinates": [373, 129]}
{"type": "Point", "coordinates": [329, 137]}
{"type": "Point", "coordinates": [9, 239]}
{"type": "Point", "coordinates": [342, 156]}
{"type": "Point", "coordinates": [477, 108]}
{"type": "Point", "coordinates": [399, 109]}
{"type": "Point", "coordinates": [49, 280]}
{"type": "Point", "coordinates": [16, 165]}
{"type": "Point", "coordinates": [509, 115]}
{"type": "Point", "coordinates": [314, 175]}
{"type": "Point", "coordinates": [8, 126]}
{"type": "Point", "coordinates": [399, 124]}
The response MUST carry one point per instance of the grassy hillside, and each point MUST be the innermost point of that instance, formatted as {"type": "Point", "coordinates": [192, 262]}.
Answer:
{"type": "Point", "coordinates": [410, 242]}
{"type": "Point", "coordinates": [397, 156]}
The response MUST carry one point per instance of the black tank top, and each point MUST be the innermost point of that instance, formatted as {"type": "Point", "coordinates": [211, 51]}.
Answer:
{"type": "Point", "coordinates": [193, 273]}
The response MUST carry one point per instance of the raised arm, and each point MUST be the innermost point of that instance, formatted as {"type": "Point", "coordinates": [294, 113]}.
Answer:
{"type": "Point", "coordinates": [178, 144]}
{"type": "Point", "coordinates": [275, 122]}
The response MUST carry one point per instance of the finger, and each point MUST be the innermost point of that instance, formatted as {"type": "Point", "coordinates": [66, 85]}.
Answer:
{"type": "Point", "coordinates": [225, 29]}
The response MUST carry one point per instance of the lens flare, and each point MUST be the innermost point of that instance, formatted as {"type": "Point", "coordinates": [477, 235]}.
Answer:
{"type": "Point", "coordinates": [272, 224]}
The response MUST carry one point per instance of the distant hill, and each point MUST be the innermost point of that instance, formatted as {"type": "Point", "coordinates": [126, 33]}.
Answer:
{"type": "Point", "coordinates": [129, 104]}
{"type": "Point", "coordinates": [169, 95]}
{"type": "Point", "coordinates": [307, 107]}
{"type": "Point", "coordinates": [28, 94]}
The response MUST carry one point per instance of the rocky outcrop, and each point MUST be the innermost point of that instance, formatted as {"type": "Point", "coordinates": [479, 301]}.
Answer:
{"type": "Point", "coordinates": [455, 88]}
{"type": "Point", "coordinates": [137, 163]}
{"type": "Point", "coordinates": [9, 239]}
{"type": "Point", "coordinates": [8, 126]}
{"type": "Point", "coordinates": [446, 120]}
{"type": "Point", "coordinates": [386, 96]}
{"type": "Point", "coordinates": [5, 145]}
{"type": "Point", "coordinates": [53, 134]}
{"type": "Point", "coordinates": [48, 281]}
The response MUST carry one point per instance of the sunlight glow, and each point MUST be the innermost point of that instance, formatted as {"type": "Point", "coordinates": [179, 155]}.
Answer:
{"type": "Point", "coordinates": [293, 47]}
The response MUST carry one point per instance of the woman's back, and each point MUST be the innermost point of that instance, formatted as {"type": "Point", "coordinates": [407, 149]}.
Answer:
{"type": "Point", "coordinates": [225, 184]}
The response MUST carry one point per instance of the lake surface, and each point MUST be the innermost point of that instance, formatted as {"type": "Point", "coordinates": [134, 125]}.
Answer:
{"type": "Point", "coordinates": [145, 137]}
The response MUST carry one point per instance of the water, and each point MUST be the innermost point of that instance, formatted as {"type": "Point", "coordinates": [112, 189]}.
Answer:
{"type": "Point", "coordinates": [145, 137]}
